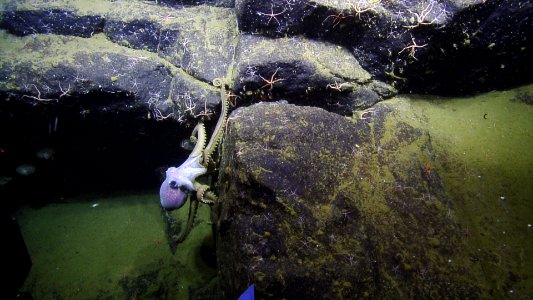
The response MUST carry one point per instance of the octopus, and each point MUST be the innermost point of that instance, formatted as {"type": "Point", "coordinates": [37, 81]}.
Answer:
{"type": "Point", "coordinates": [181, 183]}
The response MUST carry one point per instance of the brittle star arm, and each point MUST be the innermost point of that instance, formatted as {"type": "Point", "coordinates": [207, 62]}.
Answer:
{"type": "Point", "coordinates": [219, 128]}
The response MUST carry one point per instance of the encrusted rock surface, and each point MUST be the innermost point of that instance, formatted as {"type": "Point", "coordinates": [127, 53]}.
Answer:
{"type": "Point", "coordinates": [306, 72]}
{"type": "Point", "coordinates": [447, 47]}
{"type": "Point", "coordinates": [338, 200]}
{"type": "Point", "coordinates": [318, 204]}
{"type": "Point", "coordinates": [131, 54]}
{"type": "Point", "coordinates": [338, 55]}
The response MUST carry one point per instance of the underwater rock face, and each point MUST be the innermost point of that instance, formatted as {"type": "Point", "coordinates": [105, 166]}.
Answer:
{"type": "Point", "coordinates": [304, 71]}
{"type": "Point", "coordinates": [179, 3]}
{"type": "Point", "coordinates": [349, 54]}
{"type": "Point", "coordinates": [133, 56]}
{"type": "Point", "coordinates": [314, 204]}
{"type": "Point", "coordinates": [321, 206]}
{"type": "Point", "coordinates": [448, 47]}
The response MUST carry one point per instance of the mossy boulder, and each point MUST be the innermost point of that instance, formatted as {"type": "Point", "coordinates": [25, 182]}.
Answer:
{"type": "Point", "coordinates": [158, 61]}
{"type": "Point", "coordinates": [304, 71]}
{"type": "Point", "coordinates": [319, 205]}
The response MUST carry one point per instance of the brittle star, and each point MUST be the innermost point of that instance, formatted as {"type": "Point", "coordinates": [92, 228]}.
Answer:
{"type": "Point", "coordinates": [336, 18]}
{"type": "Point", "coordinates": [163, 19]}
{"type": "Point", "coordinates": [412, 48]}
{"type": "Point", "coordinates": [421, 18]}
{"type": "Point", "coordinates": [272, 15]}
{"type": "Point", "coordinates": [336, 86]}
{"type": "Point", "coordinates": [271, 81]}
{"type": "Point", "coordinates": [230, 96]}
{"type": "Point", "coordinates": [359, 9]}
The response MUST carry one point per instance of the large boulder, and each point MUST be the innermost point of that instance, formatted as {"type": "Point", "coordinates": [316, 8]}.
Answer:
{"type": "Point", "coordinates": [318, 205]}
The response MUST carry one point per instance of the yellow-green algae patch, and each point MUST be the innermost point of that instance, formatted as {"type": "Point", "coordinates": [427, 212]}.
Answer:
{"type": "Point", "coordinates": [127, 10]}
{"type": "Point", "coordinates": [49, 51]}
{"type": "Point", "coordinates": [328, 59]}
{"type": "Point", "coordinates": [482, 149]}
{"type": "Point", "coordinates": [46, 52]}
{"type": "Point", "coordinates": [82, 7]}
{"type": "Point", "coordinates": [89, 248]}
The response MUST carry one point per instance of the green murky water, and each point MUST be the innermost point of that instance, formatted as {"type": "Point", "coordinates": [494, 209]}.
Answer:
{"type": "Point", "coordinates": [118, 250]}
{"type": "Point", "coordinates": [115, 250]}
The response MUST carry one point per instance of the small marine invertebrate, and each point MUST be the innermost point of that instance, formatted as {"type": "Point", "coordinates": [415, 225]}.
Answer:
{"type": "Point", "coordinates": [272, 15]}
{"type": "Point", "coordinates": [362, 6]}
{"type": "Point", "coordinates": [426, 15]}
{"type": "Point", "coordinates": [412, 48]}
{"type": "Point", "coordinates": [336, 18]}
{"type": "Point", "coordinates": [270, 83]}
{"type": "Point", "coordinates": [427, 168]}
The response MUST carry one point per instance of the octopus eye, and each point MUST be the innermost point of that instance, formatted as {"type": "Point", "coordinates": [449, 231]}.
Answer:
{"type": "Point", "coordinates": [174, 184]}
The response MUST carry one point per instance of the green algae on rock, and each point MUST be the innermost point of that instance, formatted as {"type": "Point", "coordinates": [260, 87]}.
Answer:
{"type": "Point", "coordinates": [318, 203]}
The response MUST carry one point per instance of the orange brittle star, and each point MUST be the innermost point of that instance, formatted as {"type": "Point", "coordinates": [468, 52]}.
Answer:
{"type": "Point", "coordinates": [271, 81]}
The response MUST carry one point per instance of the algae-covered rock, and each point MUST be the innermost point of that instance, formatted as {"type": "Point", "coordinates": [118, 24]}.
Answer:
{"type": "Point", "coordinates": [445, 46]}
{"type": "Point", "coordinates": [318, 205]}
{"type": "Point", "coordinates": [304, 71]}
{"type": "Point", "coordinates": [200, 40]}
{"type": "Point", "coordinates": [131, 54]}
{"type": "Point", "coordinates": [57, 69]}
{"type": "Point", "coordinates": [180, 3]}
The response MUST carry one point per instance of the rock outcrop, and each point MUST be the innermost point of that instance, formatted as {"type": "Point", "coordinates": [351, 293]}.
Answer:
{"type": "Point", "coordinates": [129, 54]}
{"type": "Point", "coordinates": [349, 54]}
{"type": "Point", "coordinates": [330, 191]}
{"type": "Point", "coordinates": [446, 47]}
{"type": "Point", "coordinates": [317, 204]}
{"type": "Point", "coordinates": [306, 72]}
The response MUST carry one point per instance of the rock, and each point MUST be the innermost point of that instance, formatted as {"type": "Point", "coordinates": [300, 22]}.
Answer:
{"type": "Point", "coordinates": [318, 204]}
{"type": "Point", "coordinates": [25, 22]}
{"type": "Point", "coordinates": [166, 65]}
{"type": "Point", "coordinates": [201, 41]}
{"type": "Point", "coordinates": [327, 50]}
{"type": "Point", "coordinates": [446, 47]}
{"type": "Point", "coordinates": [53, 69]}
{"type": "Point", "coordinates": [181, 3]}
{"type": "Point", "coordinates": [484, 47]}
{"type": "Point", "coordinates": [303, 71]}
